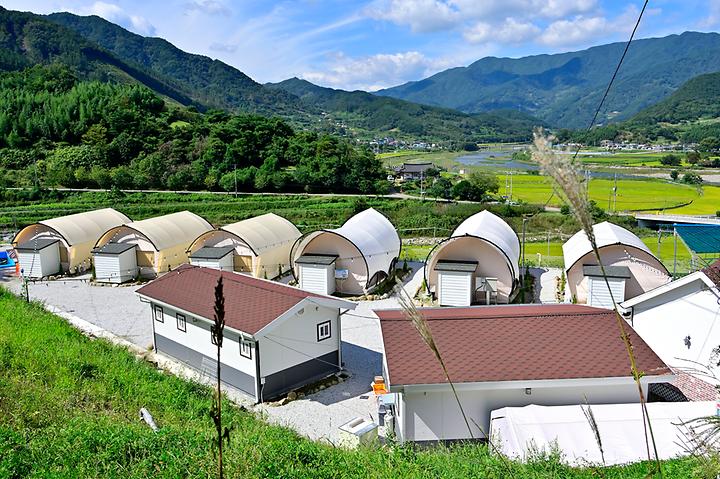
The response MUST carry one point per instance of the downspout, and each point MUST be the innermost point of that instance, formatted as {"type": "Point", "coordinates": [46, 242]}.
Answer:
{"type": "Point", "coordinates": [258, 384]}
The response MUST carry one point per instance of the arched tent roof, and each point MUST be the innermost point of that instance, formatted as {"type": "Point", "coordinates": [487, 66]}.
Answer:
{"type": "Point", "coordinates": [372, 234]}
{"type": "Point", "coordinates": [493, 229]}
{"type": "Point", "coordinates": [170, 230]}
{"type": "Point", "coordinates": [606, 234]}
{"type": "Point", "coordinates": [264, 232]}
{"type": "Point", "coordinates": [83, 227]}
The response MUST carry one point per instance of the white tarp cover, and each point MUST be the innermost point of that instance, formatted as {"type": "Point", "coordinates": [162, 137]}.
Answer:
{"type": "Point", "coordinates": [490, 227]}
{"type": "Point", "coordinates": [373, 235]}
{"type": "Point", "coordinates": [268, 231]}
{"type": "Point", "coordinates": [88, 226]}
{"type": "Point", "coordinates": [517, 431]}
{"type": "Point", "coordinates": [606, 234]}
{"type": "Point", "coordinates": [171, 230]}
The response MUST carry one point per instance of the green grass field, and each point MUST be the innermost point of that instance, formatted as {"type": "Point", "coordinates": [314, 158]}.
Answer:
{"type": "Point", "coordinates": [69, 408]}
{"type": "Point", "coordinates": [640, 158]}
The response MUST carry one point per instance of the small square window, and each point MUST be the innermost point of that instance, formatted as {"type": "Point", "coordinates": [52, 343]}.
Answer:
{"type": "Point", "coordinates": [181, 324]}
{"type": "Point", "coordinates": [245, 348]}
{"type": "Point", "coordinates": [323, 331]}
{"type": "Point", "coordinates": [158, 314]}
{"type": "Point", "coordinates": [212, 335]}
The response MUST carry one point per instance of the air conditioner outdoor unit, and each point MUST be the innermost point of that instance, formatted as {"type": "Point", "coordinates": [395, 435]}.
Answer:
{"type": "Point", "coordinates": [356, 432]}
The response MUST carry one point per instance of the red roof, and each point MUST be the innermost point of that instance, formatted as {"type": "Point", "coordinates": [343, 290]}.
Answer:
{"type": "Point", "coordinates": [512, 343]}
{"type": "Point", "coordinates": [250, 303]}
{"type": "Point", "coordinates": [713, 272]}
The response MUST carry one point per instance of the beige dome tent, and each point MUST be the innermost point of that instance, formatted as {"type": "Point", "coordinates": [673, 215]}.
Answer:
{"type": "Point", "coordinates": [161, 244]}
{"type": "Point", "coordinates": [351, 259]}
{"type": "Point", "coordinates": [259, 246]}
{"type": "Point", "coordinates": [478, 263]}
{"type": "Point", "coordinates": [629, 265]}
{"type": "Point", "coordinates": [76, 235]}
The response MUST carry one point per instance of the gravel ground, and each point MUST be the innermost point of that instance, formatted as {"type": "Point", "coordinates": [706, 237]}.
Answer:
{"type": "Point", "coordinates": [317, 416]}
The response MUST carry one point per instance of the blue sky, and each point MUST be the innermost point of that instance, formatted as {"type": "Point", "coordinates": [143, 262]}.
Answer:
{"type": "Point", "coordinates": [379, 43]}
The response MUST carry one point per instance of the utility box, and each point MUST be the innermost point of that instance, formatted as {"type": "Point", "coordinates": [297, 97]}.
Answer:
{"type": "Point", "coordinates": [598, 293]}
{"type": "Point", "coordinates": [39, 257]}
{"type": "Point", "coordinates": [214, 257]}
{"type": "Point", "coordinates": [357, 432]}
{"type": "Point", "coordinates": [115, 262]}
{"type": "Point", "coordinates": [317, 273]}
{"type": "Point", "coordinates": [455, 282]}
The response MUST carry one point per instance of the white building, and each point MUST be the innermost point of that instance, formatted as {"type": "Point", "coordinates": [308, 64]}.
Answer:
{"type": "Point", "coordinates": [39, 257]}
{"type": "Point", "coordinates": [630, 266]}
{"type": "Point", "coordinates": [680, 320]}
{"type": "Point", "coordinates": [276, 338]}
{"type": "Point", "coordinates": [478, 263]}
{"type": "Point", "coordinates": [500, 356]}
{"type": "Point", "coordinates": [365, 251]}
{"type": "Point", "coordinates": [260, 246]}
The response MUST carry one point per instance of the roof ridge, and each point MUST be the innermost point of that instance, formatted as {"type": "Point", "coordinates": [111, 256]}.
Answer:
{"type": "Point", "coordinates": [503, 316]}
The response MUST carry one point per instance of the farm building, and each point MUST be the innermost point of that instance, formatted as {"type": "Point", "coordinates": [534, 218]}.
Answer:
{"type": "Point", "coordinates": [161, 244]}
{"type": "Point", "coordinates": [39, 258]}
{"type": "Point", "coordinates": [500, 356]}
{"type": "Point", "coordinates": [259, 246]}
{"type": "Point", "coordinates": [351, 259]}
{"type": "Point", "coordinates": [629, 265]}
{"type": "Point", "coordinates": [276, 337]}
{"type": "Point", "coordinates": [680, 320]}
{"type": "Point", "coordinates": [478, 263]}
{"type": "Point", "coordinates": [75, 234]}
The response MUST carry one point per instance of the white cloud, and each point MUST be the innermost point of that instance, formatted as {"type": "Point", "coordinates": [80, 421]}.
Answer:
{"type": "Point", "coordinates": [210, 7]}
{"type": "Point", "coordinates": [510, 31]}
{"type": "Point", "coordinates": [376, 71]}
{"type": "Point", "coordinates": [113, 13]}
{"type": "Point", "coordinates": [713, 17]}
{"type": "Point", "coordinates": [582, 30]}
{"type": "Point", "coordinates": [419, 15]}
{"type": "Point", "coordinates": [223, 47]}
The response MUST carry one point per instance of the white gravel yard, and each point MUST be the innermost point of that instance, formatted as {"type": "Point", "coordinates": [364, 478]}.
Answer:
{"type": "Point", "coordinates": [119, 311]}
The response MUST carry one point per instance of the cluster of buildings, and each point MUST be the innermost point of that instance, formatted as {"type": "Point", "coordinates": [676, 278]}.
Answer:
{"type": "Point", "coordinates": [498, 354]}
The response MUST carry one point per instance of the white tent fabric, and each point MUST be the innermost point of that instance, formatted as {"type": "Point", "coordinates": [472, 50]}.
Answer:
{"type": "Point", "coordinates": [87, 226]}
{"type": "Point", "coordinates": [606, 234]}
{"type": "Point", "coordinates": [492, 228]}
{"type": "Point", "coordinates": [171, 230]}
{"type": "Point", "coordinates": [264, 232]}
{"type": "Point", "coordinates": [372, 234]}
{"type": "Point", "coordinates": [519, 432]}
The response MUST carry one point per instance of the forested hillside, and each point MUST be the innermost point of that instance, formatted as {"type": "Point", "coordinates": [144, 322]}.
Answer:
{"type": "Point", "coordinates": [564, 89]}
{"type": "Point", "coordinates": [56, 130]}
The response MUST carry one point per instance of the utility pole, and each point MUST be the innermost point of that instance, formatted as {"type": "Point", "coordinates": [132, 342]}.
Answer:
{"type": "Point", "coordinates": [675, 251]}
{"type": "Point", "coordinates": [615, 194]}
{"type": "Point", "coordinates": [235, 175]}
{"type": "Point", "coordinates": [523, 249]}
{"type": "Point", "coordinates": [422, 185]}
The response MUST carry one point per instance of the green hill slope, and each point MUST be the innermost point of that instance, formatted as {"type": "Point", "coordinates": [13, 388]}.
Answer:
{"type": "Point", "coordinates": [564, 89]}
{"type": "Point", "coordinates": [371, 114]}
{"type": "Point", "coordinates": [696, 99]}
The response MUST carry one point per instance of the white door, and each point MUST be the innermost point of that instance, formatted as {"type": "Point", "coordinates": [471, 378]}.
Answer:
{"type": "Point", "coordinates": [454, 288]}
{"type": "Point", "coordinates": [314, 278]}
{"type": "Point", "coordinates": [598, 294]}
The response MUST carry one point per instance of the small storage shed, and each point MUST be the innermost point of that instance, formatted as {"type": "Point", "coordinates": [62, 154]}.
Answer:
{"type": "Point", "coordinates": [39, 257]}
{"type": "Point", "coordinates": [216, 257]}
{"type": "Point", "coordinates": [277, 338]}
{"type": "Point", "coordinates": [500, 356]}
{"type": "Point", "coordinates": [598, 293]}
{"type": "Point", "coordinates": [76, 233]}
{"type": "Point", "coordinates": [521, 433]}
{"type": "Point", "coordinates": [161, 242]}
{"type": "Point", "coordinates": [491, 245]}
{"type": "Point", "coordinates": [680, 320]}
{"type": "Point", "coordinates": [617, 247]}
{"type": "Point", "coordinates": [317, 273]}
{"type": "Point", "coordinates": [261, 245]}
{"type": "Point", "coordinates": [366, 249]}
{"type": "Point", "coordinates": [115, 262]}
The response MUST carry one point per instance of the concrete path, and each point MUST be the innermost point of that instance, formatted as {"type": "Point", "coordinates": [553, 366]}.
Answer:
{"type": "Point", "coordinates": [548, 285]}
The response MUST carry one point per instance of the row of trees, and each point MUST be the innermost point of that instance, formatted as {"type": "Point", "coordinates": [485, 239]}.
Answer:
{"type": "Point", "coordinates": [58, 131]}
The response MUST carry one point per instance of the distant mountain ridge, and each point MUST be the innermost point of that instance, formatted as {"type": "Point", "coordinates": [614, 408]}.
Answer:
{"type": "Point", "coordinates": [564, 89]}
{"type": "Point", "coordinates": [373, 113]}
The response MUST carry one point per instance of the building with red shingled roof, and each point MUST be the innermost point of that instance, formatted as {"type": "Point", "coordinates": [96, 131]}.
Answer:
{"type": "Point", "coordinates": [500, 356]}
{"type": "Point", "coordinates": [276, 338]}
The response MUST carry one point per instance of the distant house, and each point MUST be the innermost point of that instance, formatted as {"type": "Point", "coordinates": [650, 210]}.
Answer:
{"type": "Point", "coordinates": [680, 320]}
{"type": "Point", "coordinates": [501, 356]}
{"type": "Point", "coordinates": [277, 338]}
{"type": "Point", "coordinates": [629, 264]}
{"type": "Point", "coordinates": [413, 171]}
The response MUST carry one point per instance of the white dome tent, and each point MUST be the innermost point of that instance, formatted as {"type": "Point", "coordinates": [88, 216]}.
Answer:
{"type": "Point", "coordinates": [259, 246]}
{"type": "Point", "coordinates": [630, 266]}
{"type": "Point", "coordinates": [478, 263]}
{"type": "Point", "coordinates": [351, 259]}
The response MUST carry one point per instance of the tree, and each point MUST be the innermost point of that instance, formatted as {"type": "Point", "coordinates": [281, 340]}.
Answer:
{"type": "Point", "coordinates": [709, 144]}
{"type": "Point", "coordinates": [484, 182]}
{"type": "Point", "coordinates": [441, 188]}
{"type": "Point", "coordinates": [671, 160]}
{"type": "Point", "coordinates": [674, 174]}
{"type": "Point", "coordinates": [692, 178]}
{"type": "Point", "coordinates": [693, 157]}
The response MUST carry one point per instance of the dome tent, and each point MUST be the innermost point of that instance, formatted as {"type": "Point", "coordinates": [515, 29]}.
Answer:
{"type": "Point", "coordinates": [365, 250]}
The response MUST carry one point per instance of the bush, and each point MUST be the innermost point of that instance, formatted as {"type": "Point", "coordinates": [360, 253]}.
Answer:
{"type": "Point", "coordinates": [671, 160]}
{"type": "Point", "coordinates": [674, 174]}
{"type": "Point", "coordinates": [692, 178]}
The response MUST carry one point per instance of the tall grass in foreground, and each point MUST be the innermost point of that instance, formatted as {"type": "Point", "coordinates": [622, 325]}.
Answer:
{"type": "Point", "coordinates": [564, 171]}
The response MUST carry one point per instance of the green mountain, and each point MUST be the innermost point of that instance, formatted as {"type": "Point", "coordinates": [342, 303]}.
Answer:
{"type": "Point", "coordinates": [208, 82]}
{"type": "Point", "coordinates": [564, 89]}
{"type": "Point", "coordinates": [368, 114]}
{"type": "Point", "coordinates": [696, 99]}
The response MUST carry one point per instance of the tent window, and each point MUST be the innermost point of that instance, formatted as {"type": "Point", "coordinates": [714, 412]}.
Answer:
{"type": "Point", "coordinates": [181, 324]}
{"type": "Point", "coordinates": [158, 314]}
{"type": "Point", "coordinates": [323, 331]}
{"type": "Point", "coordinates": [245, 348]}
